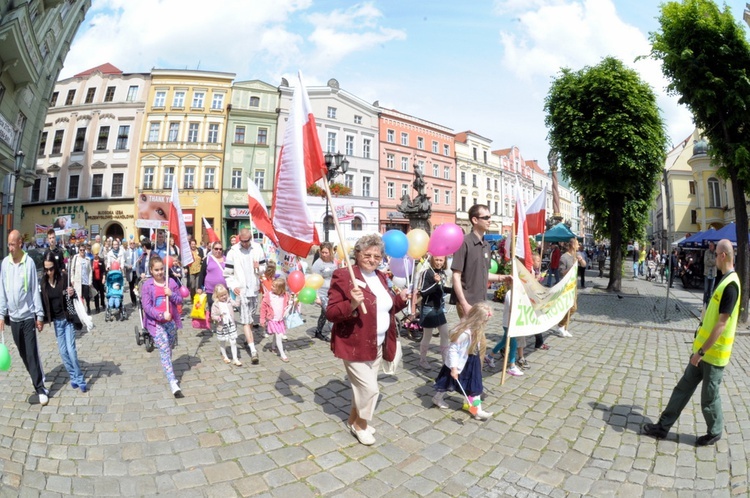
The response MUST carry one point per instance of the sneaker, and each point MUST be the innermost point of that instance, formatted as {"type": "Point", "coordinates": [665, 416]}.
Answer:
{"type": "Point", "coordinates": [363, 436]}
{"type": "Point", "coordinates": [43, 399]}
{"type": "Point", "coordinates": [655, 431]}
{"type": "Point", "coordinates": [370, 428]}
{"type": "Point", "coordinates": [523, 363]}
{"type": "Point", "coordinates": [254, 358]}
{"type": "Point", "coordinates": [74, 385]}
{"type": "Point", "coordinates": [84, 388]}
{"type": "Point", "coordinates": [489, 361]}
{"type": "Point", "coordinates": [424, 364]}
{"type": "Point", "coordinates": [482, 415]}
{"type": "Point", "coordinates": [707, 439]}
{"type": "Point", "coordinates": [176, 389]}
{"type": "Point", "coordinates": [438, 401]}
{"type": "Point", "coordinates": [515, 371]}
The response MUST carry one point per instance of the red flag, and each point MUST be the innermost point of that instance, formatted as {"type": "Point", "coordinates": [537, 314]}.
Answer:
{"type": "Point", "coordinates": [259, 213]}
{"type": "Point", "coordinates": [212, 237]}
{"type": "Point", "coordinates": [177, 227]}
{"type": "Point", "coordinates": [301, 163]}
{"type": "Point", "coordinates": [523, 246]}
{"type": "Point", "coordinates": [536, 213]}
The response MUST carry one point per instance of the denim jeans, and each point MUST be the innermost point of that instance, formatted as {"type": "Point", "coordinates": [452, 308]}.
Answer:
{"type": "Point", "coordinates": [66, 343]}
{"type": "Point", "coordinates": [708, 289]}
{"type": "Point", "coordinates": [553, 274]}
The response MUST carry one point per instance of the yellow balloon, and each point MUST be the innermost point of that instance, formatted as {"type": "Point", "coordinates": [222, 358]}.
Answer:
{"type": "Point", "coordinates": [314, 281]}
{"type": "Point", "coordinates": [342, 250]}
{"type": "Point", "coordinates": [95, 248]}
{"type": "Point", "coordinates": [418, 243]}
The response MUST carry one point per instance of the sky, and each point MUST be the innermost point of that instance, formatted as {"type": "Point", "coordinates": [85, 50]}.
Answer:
{"type": "Point", "coordinates": [482, 65]}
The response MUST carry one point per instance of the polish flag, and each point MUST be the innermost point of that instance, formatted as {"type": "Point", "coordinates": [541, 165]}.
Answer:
{"type": "Point", "coordinates": [212, 237]}
{"type": "Point", "coordinates": [523, 247]}
{"type": "Point", "coordinates": [177, 227]}
{"type": "Point", "coordinates": [301, 163]}
{"type": "Point", "coordinates": [259, 213]}
{"type": "Point", "coordinates": [536, 213]}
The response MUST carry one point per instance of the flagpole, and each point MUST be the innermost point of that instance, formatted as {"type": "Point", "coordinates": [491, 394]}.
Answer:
{"type": "Point", "coordinates": [512, 294]}
{"type": "Point", "coordinates": [341, 239]}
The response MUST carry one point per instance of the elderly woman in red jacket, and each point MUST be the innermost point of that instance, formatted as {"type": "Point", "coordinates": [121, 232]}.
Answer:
{"type": "Point", "coordinates": [363, 340]}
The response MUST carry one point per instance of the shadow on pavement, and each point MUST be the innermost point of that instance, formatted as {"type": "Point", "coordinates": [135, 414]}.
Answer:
{"type": "Point", "coordinates": [184, 364]}
{"type": "Point", "coordinates": [335, 398]}
{"type": "Point", "coordinates": [284, 384]}
{"type": "Point", "coordinates": [622, 417]}
{"type": "Point", "coordinates": [91, 372]}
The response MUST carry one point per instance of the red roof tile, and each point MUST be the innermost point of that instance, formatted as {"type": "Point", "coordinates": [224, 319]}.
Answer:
{"type": "Point", "coordinates": [105, 68]}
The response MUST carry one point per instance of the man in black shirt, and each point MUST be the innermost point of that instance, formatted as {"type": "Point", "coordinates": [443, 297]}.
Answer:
{"type": "Point", "coordinates": [55, 250]}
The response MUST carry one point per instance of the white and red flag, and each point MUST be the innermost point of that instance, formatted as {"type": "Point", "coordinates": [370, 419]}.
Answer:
{"type": "Point", "coordinates": [301, 163]}
{"type": "Point", "coordinates": [523, 246]}
{"type": "Point", "coordinates": [259, 213]}
{"type": "Point", "coordinates": [177, 227]}
{"type": "Point", "coordinates": [536, 213]}
{"type": "Point", "coordinates": [212, 237]}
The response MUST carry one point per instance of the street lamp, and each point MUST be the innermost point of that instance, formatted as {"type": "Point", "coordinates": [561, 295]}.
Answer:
{"type": "Point", "coordinates": [336, 163]}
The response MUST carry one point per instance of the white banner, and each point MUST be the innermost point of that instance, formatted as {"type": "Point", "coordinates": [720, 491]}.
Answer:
{"type": "Point", "coordinates": [536, 308]}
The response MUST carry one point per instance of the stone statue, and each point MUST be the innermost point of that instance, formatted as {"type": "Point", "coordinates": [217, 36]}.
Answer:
{"type": "Point", "coordinates": [552, 159]}
{"type": "Point", "coordinates": [419, 209]}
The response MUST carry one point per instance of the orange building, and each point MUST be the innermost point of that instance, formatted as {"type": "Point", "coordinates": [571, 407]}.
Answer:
{"type": "Point", "coordinates": [407, 142]}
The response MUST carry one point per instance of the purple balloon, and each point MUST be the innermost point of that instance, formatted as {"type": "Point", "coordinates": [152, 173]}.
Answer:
{"type": "Point", "coordinates": [446, 239]}
{"type": "Point", "coordinates": [399, 269]}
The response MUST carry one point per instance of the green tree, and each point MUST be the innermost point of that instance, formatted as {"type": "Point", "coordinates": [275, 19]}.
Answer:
{"type": "Point", "coordinates": [605, 124]}
{"type": "Point", "coordinates": [706, 57]}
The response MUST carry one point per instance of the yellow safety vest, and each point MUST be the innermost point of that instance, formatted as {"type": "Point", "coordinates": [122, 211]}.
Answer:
{"type": "Point", "coordinates": [718, 355]}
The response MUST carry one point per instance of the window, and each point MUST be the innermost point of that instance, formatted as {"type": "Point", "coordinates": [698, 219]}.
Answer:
{"type": "Point", "coordinates": [42, 143]}
{"type": "Point", "coordinates": [446, 150]}
{"type": "Point", "coordinates": [239, 134]}
{"type": "Point", "coordinates": [484, 153]}
{"type": "Point", "coordinates": [474, 151]}
{"type": "Point", "coordinates": [90, 95]}
{"type": "Point", "coordinates": [178, 100]}
{"type": "Point", "coordinates": [168, 177]}
{"type": "Point", "coordinates": [132, 93]}
{"type": "Point", "coordinates": [213, 133]}
{"type": "Point", "coordinates": [497, 207]}
{"type": "Point", "coordinates": [209, 178]}
{"type": "Point", "coordinates": [366, 181]}
{"type": "Point", "coordinates": [366, 143]}
{"type": "Point", "coordinates": [693, 216]}
{"type": "Point", "coordinates": [390, 136]}
{"type": "Point", "coordinates": [357, 119]}
{"type": "Point", "coordinates": [331, 113]}
{"type": "Point", "coordinates": [148, 178]}
{"type": "Point", "coordinates": [80, 140]}
{"type": "Point", "coordinates": [463, 178]}
{"type": "Point", "coordinates": [117, 182]}
{"type": "Point", "coordinates": [97, 182]}
{"type": "Point", "coordinates": [262, 136]}
{"type": "Point", "coordinates": [260, 179]}
{"type": "Point", "coordinates": [404, 138]}
{"type": "Point", "coordinates": [73, 186]}
{"type": "Point", "coordinates": [198, 98]}
{"type": "Point", "coordinates": [434, 146]}
{"type": "Point", "coordinates": [390, 190]}
{"type": "Point", "coordinates": [495, 185]}
{"type": "Point", "coordinates": [53, 101]}
{"type": "Point", "coordinates": [404, 163]}
{"type": "Point", "coordinates": [160, 98]}
{"type": "Point", "coordinates": [714, 194]}
{"type": "Point", "coordinates": [435, 170]}
{"type": "Point", "coordinates": [420, 143]}
{"type": "Point", "coordinates": [463, 203]}
{"type": "Point", "coordinates": [448, 197]}
{"type": "Point", "coordinates": [474, 182]}
{"type": "Point", "coordinates": [122, 137]}
{"type": "Point", "coordinates": [389, 159]}
{"type": "Point", "coordinates": [51, 188]}
{"type": "Point", "coordinates": [174, 131]}
{"type": "Point", "coordinates": [437, 196]}
{"type": "Point", "coordinates": [109, 95]}
{"type": "Point", "coordinates": [254, 101]}
{"type": "Point", "coordinates": [189, 178]}
{"type": "Point", "coordinates": [349, 147]}
{"type": "Point", "coordinates": [447, 172]}
{"type": "Point", "coordinates": [57, 142]}
{"type": "Point", "coordinates": [692, 187]}
{"type": "Point", "coordinates": [217, 102]}
{"type": "Point", "coordinates": [70, 97]}
{"type": "Point", "coordinates": [349, 181]}
{"type": "Point", "coordinates": [331, 142]}
{"type": "Point", "coordinates": [193, 132]}
{"type": "Point", "coordinates": [404, 189]}
{"type": "Point", "coordinates": [101, 142]}
{"type": "Point", "coordinates": [153, 132]}
{"type": "Point", "coordinates": [489, 183]}
{"type": "Point", "coordinates": [357, 223]}
{"type": "Point", "coordinates": [236, 179]}
{"type": "Point", "coordinates": [35, 190]}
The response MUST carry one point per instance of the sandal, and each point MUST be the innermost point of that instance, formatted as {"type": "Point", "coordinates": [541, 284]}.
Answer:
{"type": "Point", "coordinates": [544, 347]}
{"type": "Point", "coordinates": [227, 360]}
{"type": "Point", "coordinates": [285, 359]}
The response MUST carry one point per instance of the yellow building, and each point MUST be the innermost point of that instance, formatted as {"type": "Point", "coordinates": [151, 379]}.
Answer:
{"type": "Point", "coordinates": [182, 143]}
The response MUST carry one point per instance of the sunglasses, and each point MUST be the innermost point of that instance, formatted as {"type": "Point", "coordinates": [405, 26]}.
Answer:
{"type": "Point", "coordinates": [218, 248]}
{"type": "Point", "coordinates": [245, 241]}
{"type": "Point", "coordinates": [485, 218]}
{"type": "Point", "coordinates": [49, 270]}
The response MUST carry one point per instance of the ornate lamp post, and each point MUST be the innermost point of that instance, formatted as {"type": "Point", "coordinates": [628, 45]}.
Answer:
{"type": "Point", "coordinates": [336, 163]}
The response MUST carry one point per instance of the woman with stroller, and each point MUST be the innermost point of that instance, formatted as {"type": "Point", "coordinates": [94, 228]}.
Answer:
{"type": "Point", "coordinates": [161, 296]}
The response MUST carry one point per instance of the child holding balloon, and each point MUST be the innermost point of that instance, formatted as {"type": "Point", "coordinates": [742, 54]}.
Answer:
{"type": "Point", "coordinates": [272, 310]}
{"type": "Point", "coordinates": [462, 371]}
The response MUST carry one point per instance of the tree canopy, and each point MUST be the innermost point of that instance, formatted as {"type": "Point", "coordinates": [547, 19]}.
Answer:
{"type": "Point", "coordinates": [605, 123]}
{"type": "Point", "coordinates": [706, 57]}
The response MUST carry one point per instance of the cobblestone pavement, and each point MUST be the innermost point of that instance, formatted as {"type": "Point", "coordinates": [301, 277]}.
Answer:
{"type": "Point", "coordinates": [569, 427]}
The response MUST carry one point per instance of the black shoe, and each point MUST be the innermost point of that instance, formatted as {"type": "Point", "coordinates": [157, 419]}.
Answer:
{"type": "Point", "coordinates": [322, 337]}
{"type": "Point", "coordinates": [655, 431]}
{"type": "Point", "coordinates": [707, 439]}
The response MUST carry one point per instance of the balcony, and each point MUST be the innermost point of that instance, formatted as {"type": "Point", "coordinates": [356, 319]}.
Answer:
{"type": "Point", "coordinates": [199, 146]}
{"type": "Point", "coordinates": [18, 47]}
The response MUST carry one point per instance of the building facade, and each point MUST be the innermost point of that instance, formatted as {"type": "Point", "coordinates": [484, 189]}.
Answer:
{"type": "Point", "coordinates": [408, 143]}
{"type": "Point", "coordinates": [514, 171]}
{"type": "Point", "coordinates": [36, 36]}
{"type": "Point", "coordinates": [250, 151]}
{"type": "Point", "coordinates": [183, 137]}
{"type": "Point", "coordinates": [87, 155]}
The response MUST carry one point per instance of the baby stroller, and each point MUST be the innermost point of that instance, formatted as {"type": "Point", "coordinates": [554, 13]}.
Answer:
{"type": "Point", "coordinates": [141, 333]}
{"type": "Point", "coordinates": [651, 276]}
{"type": "Point", "coordinates": [114, 290]}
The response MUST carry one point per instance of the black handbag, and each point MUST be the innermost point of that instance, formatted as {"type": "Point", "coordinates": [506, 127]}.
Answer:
{"type": "Point", "coordinates": [71, 312]}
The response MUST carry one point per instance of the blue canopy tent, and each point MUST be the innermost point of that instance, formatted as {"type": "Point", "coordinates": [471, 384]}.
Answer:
{"type": "Point", "coordinates": [698, 240]}
{"type": "Point", "coordinates": [727, 232]}
{"type": "Point", "coordinates": [558, 233]}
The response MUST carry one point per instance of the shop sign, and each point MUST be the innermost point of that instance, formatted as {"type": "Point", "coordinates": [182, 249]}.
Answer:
{"type": "Point", "coordinates": [111, 215]}
{"type": "Point", "coordinates": [239, 212]}
{"type": "Point", "coordinates": [63, 211]}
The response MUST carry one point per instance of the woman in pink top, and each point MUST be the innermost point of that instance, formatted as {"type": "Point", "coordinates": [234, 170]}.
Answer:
{"type": "Point", "coordinates": [212, 272]}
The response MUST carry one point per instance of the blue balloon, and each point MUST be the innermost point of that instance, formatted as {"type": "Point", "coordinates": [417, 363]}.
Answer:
{"type": "Point", "coordinates": [396, 243]}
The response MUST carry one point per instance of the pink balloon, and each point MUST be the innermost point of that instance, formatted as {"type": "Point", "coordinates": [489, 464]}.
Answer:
{"type": "Point", "coordinates": [446, 239]}
{"type": "Point", "coordinates": [184, 291]}
{"type": "Point", "coordinates": [295, 281]}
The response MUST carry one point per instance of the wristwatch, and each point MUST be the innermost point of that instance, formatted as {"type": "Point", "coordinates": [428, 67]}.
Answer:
{"type": "Point", "coordinates": [701, 352]}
